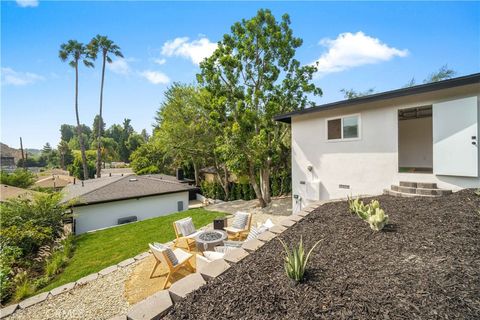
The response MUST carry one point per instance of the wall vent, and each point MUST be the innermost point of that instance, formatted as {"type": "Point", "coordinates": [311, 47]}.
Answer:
{"type": "Point", "coordinates": [344, 186]}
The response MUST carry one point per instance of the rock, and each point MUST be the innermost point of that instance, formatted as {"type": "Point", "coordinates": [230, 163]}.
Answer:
{"type": "Point", "coordinates": [153, 307]}
{"type": "Point", "coordinates": [141, 256]}
{"type": "Point", "coordinates": [62, 289]}
{"type": "Point", "coordinates": [252, 245]}
{"type": "Point", "coordinates": [277, 229]}
{"type": "Point", "coordinates": [33, 300]}
{"type": "Point", "coordinates": [235, 255]}
{"type": "Point", "coordinates": [266, 236]}
{"type": "Point", "coordinates": [8, 310]}
{"type": "Point", "coordinates": [108, 270]}
{"type": "Point", "coordinates": [287, 223]}
{"type": "Point", "coordinates": [126, 262]}
{"type": "Point", "coordinates": [87, 279]}
{"type": "Point", "coordinates": [184, 286]}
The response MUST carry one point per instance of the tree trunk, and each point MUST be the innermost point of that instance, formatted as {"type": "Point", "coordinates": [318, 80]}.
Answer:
{"type": "Point", "coordinates": [63, 160]}
{"type": "Point", "coordinates": [79, 128]}
{"type": "Point", "coordinates": [100, 123]}
{"type": "Point", "coordinates": [265, 182]}
{"type": "Point", "coordinates": [195, 170]}
{"type": "Point", "coordinates": [253, 182]}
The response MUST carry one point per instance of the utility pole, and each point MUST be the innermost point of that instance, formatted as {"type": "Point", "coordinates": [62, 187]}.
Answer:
{"type": "Point", "coordinates": [23, 155]}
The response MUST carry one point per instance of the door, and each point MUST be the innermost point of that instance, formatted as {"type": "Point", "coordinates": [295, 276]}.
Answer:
{"type": "Point", "coordinates": [455, 137]}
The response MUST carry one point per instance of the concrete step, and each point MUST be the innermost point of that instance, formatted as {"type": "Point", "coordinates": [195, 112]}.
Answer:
{"type": "Point", "coordinates": [421, 191]}
{"type": "Point", "coordinates": [405, 195]}
{"type": "Point", "coordinates": [433, 192]}
{"type": "Point", "coordinates": [426, 185]}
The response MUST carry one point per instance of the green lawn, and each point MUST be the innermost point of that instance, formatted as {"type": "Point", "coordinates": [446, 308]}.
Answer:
{"type": "Point", "coordinates": [101, 249]}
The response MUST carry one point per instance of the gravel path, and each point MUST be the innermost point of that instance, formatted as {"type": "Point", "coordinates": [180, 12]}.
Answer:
{"type": "Point", "coordinates": [100, 299]}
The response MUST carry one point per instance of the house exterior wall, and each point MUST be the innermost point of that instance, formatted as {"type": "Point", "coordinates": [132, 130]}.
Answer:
{"type": "Point", "coordinates": [415, 143]}
{"type": "Point", "coordinates": [367, 165]}
{"type": "Point", "coordinates": [104, 215]}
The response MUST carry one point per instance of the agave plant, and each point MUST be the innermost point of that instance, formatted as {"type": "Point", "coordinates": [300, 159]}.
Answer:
{"type": "Point", "coordinates": [296, 260]}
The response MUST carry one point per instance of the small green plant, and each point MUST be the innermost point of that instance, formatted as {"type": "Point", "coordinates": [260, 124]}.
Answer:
{"type": "Point", "coordinates": [477, 192]}
{"type": "Point", "coordinates": [23, 286]}
{"type": "Point", "coordinates": [296, 260]}
{"type": "Point", "coordinates": [371, 213]}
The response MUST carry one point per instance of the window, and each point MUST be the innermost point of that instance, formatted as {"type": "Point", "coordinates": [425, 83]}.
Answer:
{"type": "Point", "coordinates": [343, 128]}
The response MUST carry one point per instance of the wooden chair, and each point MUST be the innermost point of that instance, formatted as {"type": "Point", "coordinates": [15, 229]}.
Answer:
{"type": "Point", "coordinates": [240, 226]}
{"type": "Point", "coordinates": [185, 241]}
{"type": "Point", "coordinates": [162, 257]}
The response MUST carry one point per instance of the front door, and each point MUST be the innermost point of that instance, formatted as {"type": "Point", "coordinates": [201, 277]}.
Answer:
{"type": "Point", "coordinates": [455, 137]}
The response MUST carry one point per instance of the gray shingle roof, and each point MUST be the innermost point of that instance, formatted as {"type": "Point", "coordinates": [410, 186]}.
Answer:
{"type": "Point", "coordinates": [120, 188]}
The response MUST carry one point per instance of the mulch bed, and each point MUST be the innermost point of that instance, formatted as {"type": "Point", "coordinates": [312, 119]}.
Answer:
{"type": "Point", "coordinates": [425, 265]}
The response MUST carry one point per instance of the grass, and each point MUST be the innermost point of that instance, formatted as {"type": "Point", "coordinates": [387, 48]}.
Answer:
{"type": "Point", "coordinates": [101, 249]}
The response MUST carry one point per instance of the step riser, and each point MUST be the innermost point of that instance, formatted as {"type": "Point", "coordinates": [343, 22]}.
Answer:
{"type": "Point", "coordinates": [421, 191]}
{"type": "Point", "coordinates": [404, 195]}
{"type": "Point", "coordinates": [425, 185]}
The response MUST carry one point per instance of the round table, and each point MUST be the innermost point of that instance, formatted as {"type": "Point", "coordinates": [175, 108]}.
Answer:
{"type": "Point", "coordinates": [207, 240]}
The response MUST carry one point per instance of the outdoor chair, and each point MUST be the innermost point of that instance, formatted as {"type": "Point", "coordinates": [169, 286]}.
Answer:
{"type": "Point", "coordinates": [173, 260]}
{"type": "Point", "coordinates": [185, 233]}
{"type": "Point", "coordinates": [240, 226]}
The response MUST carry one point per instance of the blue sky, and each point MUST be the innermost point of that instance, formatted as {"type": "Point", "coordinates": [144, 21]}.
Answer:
{"type": "Point", "coordinates": [359, 45]}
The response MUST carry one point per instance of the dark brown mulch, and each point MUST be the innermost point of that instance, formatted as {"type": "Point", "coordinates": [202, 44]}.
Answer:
{"type": "Point", "coordinates": [426, 265]}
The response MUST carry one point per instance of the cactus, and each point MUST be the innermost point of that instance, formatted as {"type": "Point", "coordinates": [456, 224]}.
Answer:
{"type": "Point", "coordinates": [377, 219]}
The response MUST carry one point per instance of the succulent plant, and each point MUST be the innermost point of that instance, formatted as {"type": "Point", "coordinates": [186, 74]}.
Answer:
{"type": "Point", "coordinates": [296, 260]}
{"type": "Point", "coordinates": [377, 219]}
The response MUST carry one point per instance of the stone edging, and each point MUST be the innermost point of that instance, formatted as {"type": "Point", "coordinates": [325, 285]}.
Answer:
{"type": "Point", "coordinates": [9, 310]}
{"type": "Point", "coordinates": [157, 305]}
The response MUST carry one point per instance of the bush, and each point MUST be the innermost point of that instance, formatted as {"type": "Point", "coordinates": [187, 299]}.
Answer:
{"type": "Point", "coordinates": [23, 286]}
{"type": "Point", "coordinates": [296, 260]}
{"type": "Point", "coordinates": [27, 225]}
{"type": "Point", "coordinates": [19, 178]}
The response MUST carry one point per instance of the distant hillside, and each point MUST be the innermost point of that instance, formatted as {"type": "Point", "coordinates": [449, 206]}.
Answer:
{"type": "Point", "coordinates": [33, 152]}
{"type": "Point", "coordinates": [6, 151]}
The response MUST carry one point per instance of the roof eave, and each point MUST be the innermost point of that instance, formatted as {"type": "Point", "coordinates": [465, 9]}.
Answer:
{"type": "Point", "coordinates": [423, 88]}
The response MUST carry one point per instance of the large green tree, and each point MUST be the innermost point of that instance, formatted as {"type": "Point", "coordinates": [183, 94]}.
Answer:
{"type": "Point", "coordinates": [183, 129]}
{"type": "Point", "coordinates": [253, 75]}
{"type": "Point", "coordinates": [75, 52]}
{"type": "Point", "coordinates": [105, 47]}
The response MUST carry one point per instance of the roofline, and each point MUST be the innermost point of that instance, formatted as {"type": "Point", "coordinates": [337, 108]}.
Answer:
{"type": "Point", "coordinates": [83, 204]}
{"type": "Point", "coordinates": [423, 88]}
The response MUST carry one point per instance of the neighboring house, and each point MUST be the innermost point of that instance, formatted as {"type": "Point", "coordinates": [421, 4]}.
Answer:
{"type": "Point", "coordinates": [106, 202]}
{"type": "Point", "coordinates": [209, 174]}
{"type": "Point", "coordinates": [426, 133]}
{"type": "Point", "coordinates": [10, 192]}
{"type": "Point", "coordinates": [56, 181]}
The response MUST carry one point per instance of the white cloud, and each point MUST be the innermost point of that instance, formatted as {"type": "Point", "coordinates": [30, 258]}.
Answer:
{"type": "Point", "coordinates": [119, 66]}
{"type": "Point", "coordinates": [155, 77]}
{"type": "Point", "coordinates": [350, 50]}
{"type": "Point", "coordinates": [195, 50]}
{"type": "Point", "coordinates": [160, 61]}
{"type": "Point", "coordinates": [15, 78]}
{"type": "Point", "coordinates": [27, 3]}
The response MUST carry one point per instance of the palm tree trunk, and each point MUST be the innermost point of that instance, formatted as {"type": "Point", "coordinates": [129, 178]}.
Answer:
{"type": "Point", "coordinates": [79, 128]}
{"type": "Point", "coordinates": [100, 123]}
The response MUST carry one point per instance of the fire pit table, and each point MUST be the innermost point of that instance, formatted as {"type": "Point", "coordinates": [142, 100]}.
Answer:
{"type": "Point", "coordinates": [209, 239]}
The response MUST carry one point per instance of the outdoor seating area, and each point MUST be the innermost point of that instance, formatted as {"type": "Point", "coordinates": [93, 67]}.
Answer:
{"type": "Point", "coordinates": [193, 247]}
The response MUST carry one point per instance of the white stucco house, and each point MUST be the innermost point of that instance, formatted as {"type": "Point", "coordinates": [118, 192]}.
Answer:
{"type": "Point", "coordinates": [426, 133]}
{"type": "Point", "coordinates": [110, 201]}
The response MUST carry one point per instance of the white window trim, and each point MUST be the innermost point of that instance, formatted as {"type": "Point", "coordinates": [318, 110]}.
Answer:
{"type": "Point", "coordinates": [341, 127]}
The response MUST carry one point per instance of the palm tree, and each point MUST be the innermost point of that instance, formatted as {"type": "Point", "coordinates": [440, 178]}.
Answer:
{"type": "Point", "coordinates": [76, 51]}
{"type": "Point", "coordinates": [104, 46]}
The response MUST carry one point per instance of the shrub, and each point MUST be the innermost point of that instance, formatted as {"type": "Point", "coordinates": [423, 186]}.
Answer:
{"type": "Point", "coordinates": [23, 286]}
{"type": "Point", "coordinates": [19, 178]}
{"type": "Point", "coordinates": [296, 260]}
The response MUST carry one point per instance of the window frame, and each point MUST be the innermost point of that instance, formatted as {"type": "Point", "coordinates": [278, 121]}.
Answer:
{"type": "Point", "coordinates": [341, 127]}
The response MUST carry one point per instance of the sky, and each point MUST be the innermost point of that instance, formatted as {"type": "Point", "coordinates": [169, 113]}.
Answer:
{"type": "Point", "coordinates": [358, 45]}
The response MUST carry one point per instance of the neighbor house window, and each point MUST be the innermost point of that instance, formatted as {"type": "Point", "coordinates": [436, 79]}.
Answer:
{"type": "Point", "coordinates": [343, 128]}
